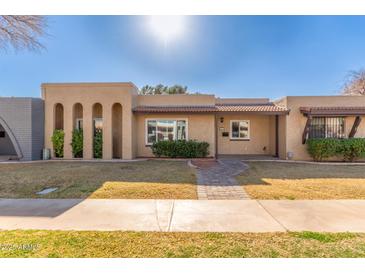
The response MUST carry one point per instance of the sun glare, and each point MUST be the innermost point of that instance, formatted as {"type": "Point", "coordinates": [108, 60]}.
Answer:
{"type": "Point", "coordinates": [167, 28]}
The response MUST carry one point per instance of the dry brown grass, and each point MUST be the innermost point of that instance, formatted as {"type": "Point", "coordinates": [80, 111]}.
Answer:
{"type": "Point", "coordinates": [151, 179]}
{"type": "Point", "coordinates": [93, 244]}
{"type": "Point", "coordinates": [143, 190]}
{"type": "Point", "coordinates": [303, 181]}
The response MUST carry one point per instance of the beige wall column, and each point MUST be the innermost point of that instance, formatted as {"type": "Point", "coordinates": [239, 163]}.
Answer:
{"type": "Point", "coordinates": [88, 131]}
{"type": "Point", "coordinates": [127, 133]}
{"type": "Point", "coordinates": [107, 132]}
{"type": "Point", "coordinates": [67, 127]}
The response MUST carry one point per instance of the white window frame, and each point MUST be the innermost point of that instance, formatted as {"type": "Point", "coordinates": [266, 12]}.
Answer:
{"type": "Point", "coordinates": [166, 119]}
{"type": "Point", "coordinates": [239, 138]}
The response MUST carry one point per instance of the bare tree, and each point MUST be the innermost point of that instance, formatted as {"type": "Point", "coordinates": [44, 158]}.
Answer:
{"type": "Point", "coordinates": [355, 84]}
{"type": "Point", "coordinates": [22, 31]}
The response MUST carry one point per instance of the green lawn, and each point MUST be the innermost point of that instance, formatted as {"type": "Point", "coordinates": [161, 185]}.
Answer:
{"type": "Point", "coordinates": [32, 243]}
{"type": "Point", "coordinates": [269, 180]}
{"type": "Point", "coordinates": [153, 179]}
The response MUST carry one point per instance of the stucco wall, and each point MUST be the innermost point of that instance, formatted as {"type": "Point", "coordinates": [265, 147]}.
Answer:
{"type": "Point", "coordinates": [261, 135]}
{"type": "Point", "coordinates": [88, 94]}
{"type": "Point", "coordinates": [200, 127]}
{"type": "Point", "coordinates": [296, 121]}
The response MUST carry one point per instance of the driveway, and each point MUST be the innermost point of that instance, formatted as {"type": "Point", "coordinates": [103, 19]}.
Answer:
{"type": "Point", "coordinates": [183, 215]}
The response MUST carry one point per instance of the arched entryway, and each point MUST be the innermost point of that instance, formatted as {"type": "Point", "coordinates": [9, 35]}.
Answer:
{"type": "Point", "coordinates": [97, 130]}
{"type": "Point", "coordinates": [117, 116]}
{"type": "Point", "coordinates": [77, 116]}
{"type": "Point", "coordinates": [9, 147]}
{"type": "Point", "coordinates": [58, 116]}
{"type": "Point", "coordinates": [77, 134]}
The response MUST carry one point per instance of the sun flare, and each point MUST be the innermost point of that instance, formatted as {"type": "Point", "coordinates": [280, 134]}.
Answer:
{"type": "Point", "coordinates": [167, 28]}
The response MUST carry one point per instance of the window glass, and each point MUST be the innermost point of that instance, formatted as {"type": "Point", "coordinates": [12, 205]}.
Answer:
{"type": "Point", "coordinates": [239, 129]}
{"type": "Point", "coordinates": [166, 130]}
{"type": "Point", "coordinates": [163, 130]}
{"type": "Point", "coordinates": [181, 130]}
{"type": "Point", "coordinates": [98, 124]}
{"type": "Point", "coordinates": [151, 132]}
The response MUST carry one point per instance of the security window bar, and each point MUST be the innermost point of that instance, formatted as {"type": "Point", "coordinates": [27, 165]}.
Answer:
{"type": "Point", "coordinates": [327, 127]}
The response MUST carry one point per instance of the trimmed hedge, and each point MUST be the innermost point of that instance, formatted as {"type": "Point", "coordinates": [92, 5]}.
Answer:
{"type": "Point", "coordinates": [58, 140]}
{"type": "Point", "coordinates": [77, 143]}
{"type": "Point", "coordinates": [320, 149]}
{"type": "Point", "coordinates": [181, 149]}
{"type": "Point", "coordinates": [349, 149]}
{"type": "Point", "coordinates": [352, 148]}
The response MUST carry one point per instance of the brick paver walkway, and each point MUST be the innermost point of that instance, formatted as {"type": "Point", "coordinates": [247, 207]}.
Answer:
{"type": "Point", "coordinates": [216, 180]}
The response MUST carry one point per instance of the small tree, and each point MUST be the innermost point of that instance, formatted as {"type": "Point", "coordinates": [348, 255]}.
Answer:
{"type": "Point", "coordinates": [355, 84]}
{"type": "Point", "coordinates": [98, 144]}
{"type": "Point", "coordinates": [161, 89]}
{"type": "Point", "coordinates": [22, 31]}
{"type": "Point", "coordinates": [77, 143]}
{"type": "Point", "coordinates": [58, 140]}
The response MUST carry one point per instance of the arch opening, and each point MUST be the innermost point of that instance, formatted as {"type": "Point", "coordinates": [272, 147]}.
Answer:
{"type": "Point", "coordinates": [58, 116]}
{"type": "Point", "coordinates": [77, 134]}
{"type": "Point", "coordinates": [117, 116]}
{"type": "Point", "coordinates": [97, 112]}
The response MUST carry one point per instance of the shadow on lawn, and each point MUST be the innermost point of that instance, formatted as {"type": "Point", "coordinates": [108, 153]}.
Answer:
{"type": "Point", "coordinates": [75, 181]}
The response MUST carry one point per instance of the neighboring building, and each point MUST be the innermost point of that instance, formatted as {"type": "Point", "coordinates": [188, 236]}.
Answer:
{"type": "Point", "coordinates": [132, 122]}
{"type": "Point", "coordinates": [21, 128]}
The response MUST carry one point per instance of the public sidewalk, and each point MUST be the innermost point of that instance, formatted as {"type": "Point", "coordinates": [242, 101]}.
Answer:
{"type": "Point", "coordinates": [183, 215]}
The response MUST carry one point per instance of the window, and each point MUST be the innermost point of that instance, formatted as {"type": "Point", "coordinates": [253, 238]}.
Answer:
{"type": "Point", "coordinates": [98, 125]}
{"type": "Point", "coordinates": [327, 127]}
{"type": "Point", "coordinates": [162, 130]}
{"type": "Point", "coordinates": [240, 130]}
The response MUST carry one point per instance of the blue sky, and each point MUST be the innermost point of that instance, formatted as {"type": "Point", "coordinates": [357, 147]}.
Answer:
{"type": "Point", "coordinates": [230, 56]}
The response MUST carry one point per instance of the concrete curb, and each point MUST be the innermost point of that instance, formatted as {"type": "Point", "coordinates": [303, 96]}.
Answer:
{"type": "Point", "coordinates": [308, 162]}
{"type": "Point", "coordinates": [73, 161]}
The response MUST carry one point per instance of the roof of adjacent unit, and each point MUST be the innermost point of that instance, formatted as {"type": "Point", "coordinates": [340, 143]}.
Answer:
{"type": "Point", "coordinates": [268, 108]}
{"type": "Point", "coordinates": [332, 111]}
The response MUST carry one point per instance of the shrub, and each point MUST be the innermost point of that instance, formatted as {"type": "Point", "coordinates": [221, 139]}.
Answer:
{"type": "Point", "coordinates": [77, 143]}
{"type": "Point", "coordinates": [98, 144]}
{"type": "Point", "coordinates": [352, 148]}
{"type": "Point", "coordinates": [180, 148]}
{"type": "Point", "coordinates": [320, 149]}
{"type": "Point", "coordinates": [349, 149]}
{"type": "Point", "coordinates": [58, 139]}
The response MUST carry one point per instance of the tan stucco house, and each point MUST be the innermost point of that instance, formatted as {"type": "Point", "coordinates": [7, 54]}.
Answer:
{"type": "Point", "coordinates": [132, 122]}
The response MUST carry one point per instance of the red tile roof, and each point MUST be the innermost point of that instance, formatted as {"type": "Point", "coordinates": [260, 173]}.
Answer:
{"type": "Point", "coordinates": [269, 108]}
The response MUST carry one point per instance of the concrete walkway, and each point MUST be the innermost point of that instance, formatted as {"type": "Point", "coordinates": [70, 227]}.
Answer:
{"type": "Point", "coordinates": [216, 181]}
{"type": "Point", "coordinates": [183, 215]}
